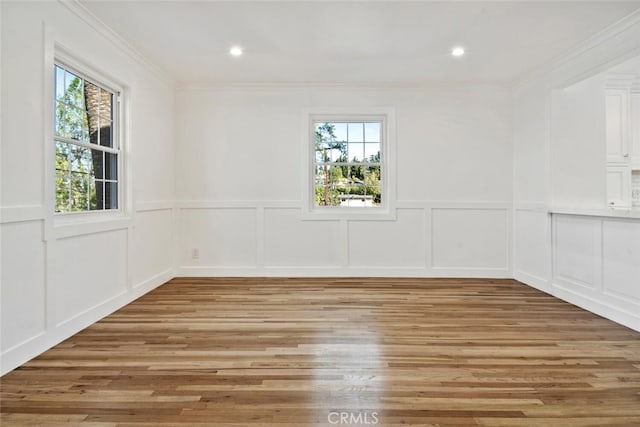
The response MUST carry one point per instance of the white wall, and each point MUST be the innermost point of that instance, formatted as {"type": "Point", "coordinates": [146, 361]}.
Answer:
{"type": "Point", "coordinates": [240, 178]}
{"type": "Point", "coordinates": [565, 241]}
{"type": "Point", "coordinates": [57, 280]}
{"type": "Point", "coordinates": [578, 153]}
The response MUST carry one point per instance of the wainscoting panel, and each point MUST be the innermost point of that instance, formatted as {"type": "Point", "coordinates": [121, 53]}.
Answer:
{"type": "Point", "coordinates": [621, 260]}
{"type": "Point", "coordinates": [470, 238]}
{"type": "Point", "coordinates": [578, 251]}
{"type": "Point", "coordinates": [597, 265]}
{"type": "Point", "coordinates": [532, 250]}
{"type": "Point", "coordinates": [291, 242]}
{"type": "Point", "coordinates": [23, 292]}
{"type": "Point", "coordinates": [151, 240]}
{"type": "Point", "coordinates": [399, 243]}
{"type": "Point", "coordinates": [221, 237]}
{"type": "Point", "coordinates": [87, 278]}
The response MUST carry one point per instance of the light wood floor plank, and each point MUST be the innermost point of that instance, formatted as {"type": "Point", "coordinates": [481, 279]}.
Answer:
{"type": "Point", "coordinates": [289, 352]}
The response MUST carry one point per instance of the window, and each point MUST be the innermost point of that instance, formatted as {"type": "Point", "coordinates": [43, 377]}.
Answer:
{"type": "Point", "coordinates": [348, 163]}
{"type": "Point", "coordinates": [87, 150]}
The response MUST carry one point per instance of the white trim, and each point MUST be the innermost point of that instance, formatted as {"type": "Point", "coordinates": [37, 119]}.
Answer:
{"type": "Point", "coordinates": [630, 214]}
{"type": "Point", "coordinates": [538, 207]}
{"type": "Point", "coordinates": [26, 350]}
{"type": "Point", "coordinates": [182, 86]}
{"type": "Point", "coordinates": [9, 214]}
{"type": "Point", "coordinates": [538, 282]}
{"type": "Point", "coordinates": [597, 306]}
{"type": "Point", "coordinates": [337, 271]}
{"type": "Point", "coordinates": [615, 29]}
{"type": "Point", "coordinates": [237, 204]}
{"type": "Point", "coordinates": [158, 205]}
{"type": "Point", "coordinates": [88, 145]}
{"type": "Point", "coordinates": [452, 204]}
{"type": "Point", "coordinates": [89, 227]}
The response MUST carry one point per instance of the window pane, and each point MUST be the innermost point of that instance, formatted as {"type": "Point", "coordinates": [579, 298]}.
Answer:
{"type": "Point", "coordinates": [111, 195]}
{"type": "Point", "coordinates": [62, 156]}
{"type": "Point", "coordinates": [340, 131]}
{"type": "Point", "coordinates": [356, 152]}
{"type": "Point", "coordinates": [99, 201]}
{"type": "Point", "coordinates": [106, 105]}
{"type": "Point", "coordinates": [355, 174]}
{"type": "Point", "coordinates": [329, 185]}
{"type": "Point", "coordinates": [81, 161]}
{"type": "Point", "coordinates": [372, 152]}
{"type": "Point", "coordinates": [97, 158]}
{"type": "Point", "coordinates": [372, 132]}
{"type": "Point", "coordinates": [71, 122]}
{"type": "Point", "coordinates": [62, 190]}
{"type": "Point", "coordinates": [339, 152]}
{"type": "Point", "coordinates": [356, 132]}
{"type": "Point", "coordinates": [106, 139]}
{"type": "Point", "coordinates": [110, 166]}
{"type": "Point", "coordinates": [92, 94]}
{"type": "Point", "coordinates": [94, 204]}
{"type": "Point", "coordinates": [373, 184]}
{"type": "Point", "coordinates": [59, 83]}
{"type": "Point", "coordinates": [79, 193]}
{"type": "Point", "coordinates": [72, 91]}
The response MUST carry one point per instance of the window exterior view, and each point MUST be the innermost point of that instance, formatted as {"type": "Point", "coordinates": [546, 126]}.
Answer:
{"type": "Point", "coordinates": [86, 146]}
{"type": "Point", "coordinates": [348, 164]}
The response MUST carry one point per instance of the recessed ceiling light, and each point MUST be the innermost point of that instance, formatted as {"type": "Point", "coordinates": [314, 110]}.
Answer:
{"type": "Point", "coordinates": [457, 51]}
{"type": "Point", "coordinates": [235, 51]}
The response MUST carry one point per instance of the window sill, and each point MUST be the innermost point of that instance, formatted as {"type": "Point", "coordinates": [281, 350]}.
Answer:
{"type": "Point", "coordinates": [353, 214]}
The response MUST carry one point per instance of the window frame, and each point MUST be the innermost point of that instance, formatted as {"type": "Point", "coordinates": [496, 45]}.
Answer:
{"type": "Point", "coordinates": [71, 63]}
{"type": "Point", "coordinates": [386, 210]}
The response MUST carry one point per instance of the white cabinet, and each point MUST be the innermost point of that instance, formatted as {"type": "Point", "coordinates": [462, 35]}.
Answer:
{"type": "Point", "coordinates": [622, 125]}
{"type": "Point", "coordinates": [618, 186]}
{"type": "Point", "coordinates": [617, 125]}
{"type": "Point", "coordinates": [634, 137]}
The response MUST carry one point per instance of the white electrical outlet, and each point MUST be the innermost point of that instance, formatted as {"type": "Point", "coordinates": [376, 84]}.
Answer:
{"type": "Point", "coordinates": [195, 253]}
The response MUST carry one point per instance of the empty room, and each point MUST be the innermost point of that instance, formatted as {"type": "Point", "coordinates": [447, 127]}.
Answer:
{"type": "Point", "coordinates": [319, 213]}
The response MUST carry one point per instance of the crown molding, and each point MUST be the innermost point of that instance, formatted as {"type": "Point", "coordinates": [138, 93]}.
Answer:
{"type": "Point", "coordinates": [383, 85]}
{"type": "Point", "coordinates": [619, 80]}
{"type": "Point", "coordinates": [601, 37]}
{"type": "Point", "coordinates": [116, 39]}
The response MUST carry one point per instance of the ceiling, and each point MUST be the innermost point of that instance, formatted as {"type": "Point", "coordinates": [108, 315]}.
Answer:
{"type": "Point", "coordinates": [355, 41]}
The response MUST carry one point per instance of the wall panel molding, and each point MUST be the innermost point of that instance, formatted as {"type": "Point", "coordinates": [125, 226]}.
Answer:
{"type": "Point", "coordinates": [10, 214]}
{"type": "Point", "coordinates": [344, 264]}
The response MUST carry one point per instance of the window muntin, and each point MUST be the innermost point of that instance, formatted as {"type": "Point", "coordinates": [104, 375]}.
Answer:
{"type": "Point", "coordinates": [86, 145]}
{"type": "Point", "coordinates": [348, 164]}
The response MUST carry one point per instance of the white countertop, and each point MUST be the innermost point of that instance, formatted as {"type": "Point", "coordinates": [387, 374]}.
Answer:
{"type": "Point", "coordinates": [613, 213]}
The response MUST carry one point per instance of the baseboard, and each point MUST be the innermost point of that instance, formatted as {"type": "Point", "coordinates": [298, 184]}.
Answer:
{"type": "Point", "coordinates": [600, 308]}
{"type": "Point", "coordinates": [537, 282]}
{"type": "Point", "coordinates": [332, 271]}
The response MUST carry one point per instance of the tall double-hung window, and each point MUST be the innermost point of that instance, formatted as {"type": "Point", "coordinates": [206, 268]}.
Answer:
{"type": "Point", "coordinates": [87, 147]}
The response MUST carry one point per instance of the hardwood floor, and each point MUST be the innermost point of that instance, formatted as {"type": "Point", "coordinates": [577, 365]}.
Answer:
{"type": "Point", "coordinates": [304, 352]}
